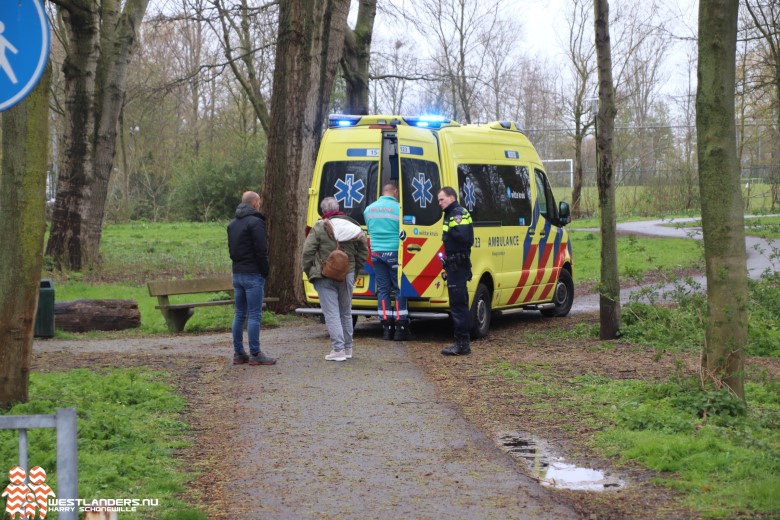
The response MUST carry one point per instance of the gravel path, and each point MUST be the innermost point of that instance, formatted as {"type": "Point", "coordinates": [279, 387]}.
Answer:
{"type": "Point", "coordinates": [366, 438]}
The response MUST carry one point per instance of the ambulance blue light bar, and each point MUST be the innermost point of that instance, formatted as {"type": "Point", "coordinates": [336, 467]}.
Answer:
{"type": "Point", "coordinates": [342, 120]}
{"type": "Point", "coordinates": [427, 121]}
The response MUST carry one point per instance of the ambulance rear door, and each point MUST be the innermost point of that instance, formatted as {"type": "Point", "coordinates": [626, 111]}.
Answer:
{"type": "Point", "coordinates": [348, 168]}
{"type": "Point", "coordinates": [421, 217]}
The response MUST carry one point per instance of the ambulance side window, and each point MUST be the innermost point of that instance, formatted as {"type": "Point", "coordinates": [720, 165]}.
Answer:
{"type": "Point", "coordinates": [496, 194]}
{"type": "Point", "coordinates": [545, 197]}
{"type": "Point", "coordinates": [353, 183]}
{"type": "Point", "coordinates": [420, 187]}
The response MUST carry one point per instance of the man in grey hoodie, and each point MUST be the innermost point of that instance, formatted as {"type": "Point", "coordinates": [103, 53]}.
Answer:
{"type": "Point", "coordinates": [249, 252]}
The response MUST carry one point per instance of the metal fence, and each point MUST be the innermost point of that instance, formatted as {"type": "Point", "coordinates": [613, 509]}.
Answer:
{"type": "Point", "coordinates": [64, 421]}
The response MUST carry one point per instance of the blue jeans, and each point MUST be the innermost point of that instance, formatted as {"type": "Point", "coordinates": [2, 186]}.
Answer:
{"type": "Point", "coordinates": [249, 289]}
{"type": "Point", "coordinates": [386, 281]}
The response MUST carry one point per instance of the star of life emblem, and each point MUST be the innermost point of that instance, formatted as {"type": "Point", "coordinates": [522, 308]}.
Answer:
{"type": "Point", "coordinates": [349, 190]}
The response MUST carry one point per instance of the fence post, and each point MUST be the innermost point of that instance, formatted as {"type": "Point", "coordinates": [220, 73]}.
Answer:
{"type": "Point", "coordinates": [67, 459]}
{"type": "Point", "coordinates": [23, 451]}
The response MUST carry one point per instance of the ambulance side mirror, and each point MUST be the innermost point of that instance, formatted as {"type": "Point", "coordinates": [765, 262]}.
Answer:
{"type": "Point", "coordinates": [564, 213]}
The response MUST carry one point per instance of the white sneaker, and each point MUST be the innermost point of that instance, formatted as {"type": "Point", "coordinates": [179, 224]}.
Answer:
{"type": "Point", "coordinates": [336, 356]}
{"type": "Point", "coordinates": [348, 353]}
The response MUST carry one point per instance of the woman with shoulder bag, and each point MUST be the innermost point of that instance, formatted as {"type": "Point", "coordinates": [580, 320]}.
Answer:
{"type": "Point", "coordinates": [335, 231]}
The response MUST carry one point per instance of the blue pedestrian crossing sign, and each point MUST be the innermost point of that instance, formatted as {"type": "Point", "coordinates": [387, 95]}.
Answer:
{"type": "Point", "coordinates": [24, 48]}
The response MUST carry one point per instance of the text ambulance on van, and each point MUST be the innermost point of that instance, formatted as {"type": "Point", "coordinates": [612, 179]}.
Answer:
{"type": "Point", "coordinates": [521, 257]}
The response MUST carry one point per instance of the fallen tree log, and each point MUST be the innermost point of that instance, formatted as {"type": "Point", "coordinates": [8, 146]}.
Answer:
{"type": "Point", "coordinates": [85, 315]}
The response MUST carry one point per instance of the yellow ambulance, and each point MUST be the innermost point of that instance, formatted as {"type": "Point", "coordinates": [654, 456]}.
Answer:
{"type": "Point", "coordinates": [521, 258]}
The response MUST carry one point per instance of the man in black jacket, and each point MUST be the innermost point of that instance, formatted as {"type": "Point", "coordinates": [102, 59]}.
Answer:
{"type": "Point", "coordinates": [249, 253]}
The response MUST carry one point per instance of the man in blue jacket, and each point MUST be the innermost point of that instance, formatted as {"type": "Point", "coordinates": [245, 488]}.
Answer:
{"type": "Point", "coordinates": [249, 252]}
{"type": "Point", "coordinates": [383, 219]}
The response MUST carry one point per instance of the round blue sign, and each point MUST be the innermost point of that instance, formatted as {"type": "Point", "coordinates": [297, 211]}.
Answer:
{"type": "Point", "coordinates": [24, 49]}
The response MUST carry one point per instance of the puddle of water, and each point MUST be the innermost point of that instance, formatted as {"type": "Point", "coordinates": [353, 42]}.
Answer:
{"type": "Point", "coordinates": [552, 470]}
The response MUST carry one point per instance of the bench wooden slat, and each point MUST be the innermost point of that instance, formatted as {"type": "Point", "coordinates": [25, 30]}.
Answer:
{"type": "Point", "coordinates": [170, 287]}
{"type": "Point", "coordinates": [191, 305]}
{"type": "Point", "coordinates": [207, 304]}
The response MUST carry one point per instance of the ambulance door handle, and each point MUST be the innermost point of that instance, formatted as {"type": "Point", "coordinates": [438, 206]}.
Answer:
{"type": "Point", "coordinates": [542, 233]}
{"type": "Point", "coordinates": [413, 248]}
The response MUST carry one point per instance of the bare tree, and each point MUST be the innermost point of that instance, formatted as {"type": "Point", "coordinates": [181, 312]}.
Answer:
{"type": "Point", "coordinates": [310, 45]}
{"type": "Point", "coordinates": [461, 29]}
{"type": "Point", "coordinates": [249, 43]}
{"type": "Point", "coordinates": [581, 54]}
{"type": "Point", "coordinates": [723, 225]}
{"type": "Point", "coordinates": [356, 58]}
{"type": "Point", "coordinates": [22, 225]}
{"type": "Point", "coordinates": [609, 288]}
{"type": "Point", "coordinates": [500, 60]}
{"type": "Point", "coordinates": [99, 36]}
{"type": "Point", "coordinates": [392, 74]}
{"type": "Point", "coordinates": [765, 15]}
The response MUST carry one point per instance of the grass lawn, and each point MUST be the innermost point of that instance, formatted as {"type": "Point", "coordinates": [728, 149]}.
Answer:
{"type": "Point", "coordinates": [660, 201]}
{"type": "Point", "coordinates": [637, 255]}
{"type": "Point", "coordinates": [129, 426]}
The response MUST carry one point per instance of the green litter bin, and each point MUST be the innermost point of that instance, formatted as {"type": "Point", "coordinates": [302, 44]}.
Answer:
{"type": "Point", "coordinates": [44, 318]}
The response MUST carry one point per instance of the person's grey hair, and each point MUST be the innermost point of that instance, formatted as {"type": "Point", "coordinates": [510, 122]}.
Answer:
{"type": "Point", "coordinates": [329, 204]}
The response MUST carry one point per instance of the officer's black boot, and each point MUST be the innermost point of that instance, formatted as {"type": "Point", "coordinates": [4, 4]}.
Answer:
{"type": "Point", "coordinates": [461, 347]}
{"type": "Point", "coordinates": [388, 329]}
{"type": "Point", "coordinates": [464, 346]}
{"type": "Point", "coordinates": [403, 332]}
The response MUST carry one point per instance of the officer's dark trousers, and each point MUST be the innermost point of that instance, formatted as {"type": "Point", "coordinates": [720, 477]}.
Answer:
{"type": "Point", "coordinates": [459, 300]}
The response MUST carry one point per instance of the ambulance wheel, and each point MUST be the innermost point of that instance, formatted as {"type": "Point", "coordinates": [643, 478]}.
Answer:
{"type": "Point", "coordinates": [563, 297]}
{"type": "Point", "coordinates": [480, 312]}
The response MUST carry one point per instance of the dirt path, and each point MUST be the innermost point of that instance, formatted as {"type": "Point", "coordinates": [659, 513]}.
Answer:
{"type": "Point", "coordinates": [367, 438]}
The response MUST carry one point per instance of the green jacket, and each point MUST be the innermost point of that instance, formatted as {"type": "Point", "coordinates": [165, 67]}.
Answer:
{"type": "Point", "coordinates": [318, 245]}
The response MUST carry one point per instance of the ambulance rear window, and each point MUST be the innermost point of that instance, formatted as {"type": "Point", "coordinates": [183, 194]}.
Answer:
{"type": "Point", "coordinates": [352, 183]}
{"type": "Point", "coordinates": [420, 187]}
{"type": "Point", "coordinates": [496, 194]}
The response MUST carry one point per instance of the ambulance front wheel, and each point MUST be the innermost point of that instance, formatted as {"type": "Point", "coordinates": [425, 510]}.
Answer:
{"type": "Point", "coordinates": [563, 297]}
{"type": "Point", "coordinates": [480, 312]}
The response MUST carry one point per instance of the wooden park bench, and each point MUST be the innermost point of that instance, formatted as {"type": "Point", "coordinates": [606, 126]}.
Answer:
{"type": "Point", "coordinates": [177, 314]}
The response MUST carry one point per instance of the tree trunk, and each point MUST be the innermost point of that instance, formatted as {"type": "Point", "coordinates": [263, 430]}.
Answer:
{"type": "Point", "coordinates": [609, 288]}
{"type": "Point", "coordinates": [723, 356]}
{"type": "Point", "coordinates": [356, 58]}
{"type": "Point", "coordinates": [22, 225]}
{"type": "Point", "coordinates": [576, 190]}
{"type": "Point", "coordinates": [86, 315]}
{"type": "Point", "coordinates": [99, 40]}
{"type": "Point", "coordinates": [311, 39]}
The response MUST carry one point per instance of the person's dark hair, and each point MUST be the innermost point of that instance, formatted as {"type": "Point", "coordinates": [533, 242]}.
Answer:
{"type": "Point", "coordinates": [450, 192]}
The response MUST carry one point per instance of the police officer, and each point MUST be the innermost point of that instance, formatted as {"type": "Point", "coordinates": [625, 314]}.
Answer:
{"type": "Point", "coordinates": [458, 237]}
